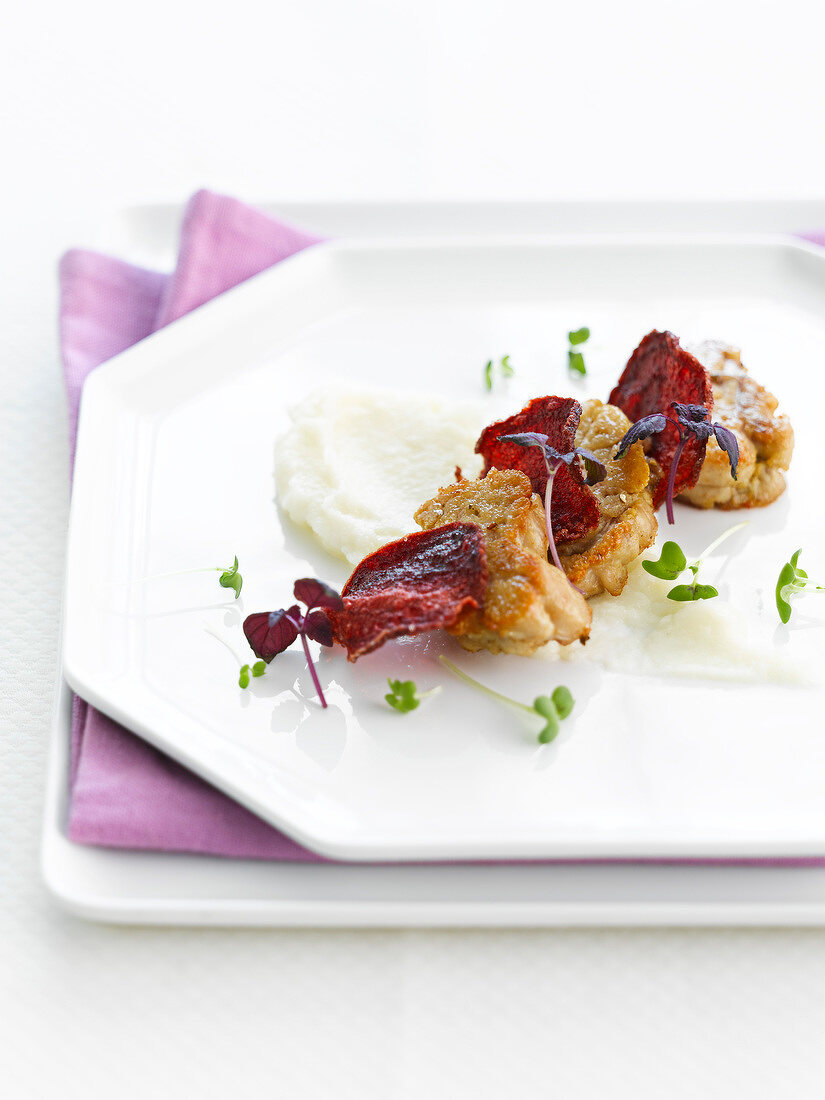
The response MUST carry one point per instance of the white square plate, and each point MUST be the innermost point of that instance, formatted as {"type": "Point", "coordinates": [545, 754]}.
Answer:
{"type": "Point", "coordinates": [174, 471]}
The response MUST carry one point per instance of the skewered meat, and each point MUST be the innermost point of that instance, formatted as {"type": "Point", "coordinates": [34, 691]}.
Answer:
{"type": "Point", "coordinates": [528, 602]}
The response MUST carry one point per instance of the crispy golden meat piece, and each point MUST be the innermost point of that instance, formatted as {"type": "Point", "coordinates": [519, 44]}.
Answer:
{"type": "Point", "coordinates": [528, 601]}
{"type": "Point", "coordinates": [628, 523]}
{"type": "Point", "coordinates": [765, 438]}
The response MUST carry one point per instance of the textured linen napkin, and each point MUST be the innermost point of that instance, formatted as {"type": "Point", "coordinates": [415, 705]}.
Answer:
{"type": "Point", "coordinates": [123, 792]}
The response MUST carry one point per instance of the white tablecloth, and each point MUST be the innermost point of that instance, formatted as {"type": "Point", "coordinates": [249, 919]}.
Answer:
{"type": "Point", "coordinates": [103, 106]}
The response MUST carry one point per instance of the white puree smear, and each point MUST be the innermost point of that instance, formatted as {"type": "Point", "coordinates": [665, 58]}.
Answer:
{"type": "Point", "coordinates": [642, 631]}
{"type": "Point", "coordinates": [356, 464]}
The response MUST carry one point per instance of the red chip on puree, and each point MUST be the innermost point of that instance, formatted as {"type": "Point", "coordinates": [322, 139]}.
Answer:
{"type": "Point", "coordinates": [421, 582]}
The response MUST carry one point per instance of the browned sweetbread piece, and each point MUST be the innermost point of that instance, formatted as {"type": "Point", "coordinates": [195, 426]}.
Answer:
{"type": "Point", "coordinates": [627, 526]}
{"type": "Point", "coordinates": [765, 437]}
{"type": "Point", "coordinates": [528, 602]}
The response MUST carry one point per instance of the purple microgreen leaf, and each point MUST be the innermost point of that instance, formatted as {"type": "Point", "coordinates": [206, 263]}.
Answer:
{"type": "Point", "coordinates": [526, 439]}
{"type": "Point", "coordinates": [729, 444]}
{"type": "Point", "coordinates": [317, 626]}
{"type": "Point", "coordinates": [592, 469]}
{"type": "Point", "coordinates": [642, 429]}
{"type": "Point", "coordinates": [689, 414]}
{"type": "Point", "coordinates": [271, 632]}
{"type": "Point", "coordinates": [314, 593]}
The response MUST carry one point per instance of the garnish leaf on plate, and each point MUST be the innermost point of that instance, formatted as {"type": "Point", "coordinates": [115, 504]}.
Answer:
{"type": "Point", "coordinates": [671, 563]}
{"type": "Point", "coordinates": [792, 581]}
{"type": "Point", "coordinates": [271, 632]}
{"type": "Point", "coordinates": [403, 695]}
{"type": "Point", "coordinates": [231, 578]}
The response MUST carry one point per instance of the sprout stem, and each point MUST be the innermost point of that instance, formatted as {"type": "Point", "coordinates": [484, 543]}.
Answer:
{"type": "Point", "coordinates": [718, 542]}
{"type": "Point", "coordinates": [671, 481]}
{"type": "Point", "coordinates": [481, 687]}
{"type": "Point", "coordinates": [312, 671]}
{"type": "Point", "coordinates": [548, 503]}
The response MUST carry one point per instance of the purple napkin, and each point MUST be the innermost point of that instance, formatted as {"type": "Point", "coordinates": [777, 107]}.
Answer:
{"type": "Point", "coordinates": [123, 792]}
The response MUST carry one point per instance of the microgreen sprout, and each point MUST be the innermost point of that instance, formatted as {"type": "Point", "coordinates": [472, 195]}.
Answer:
{"type": "Point", "coordinates": [575, 359]}
{"type": "Point", "coordinates": [258, 669]}
{"type": "Point", "coordinates": [231, 578]}
{"type": "Point", "coordinates": [792, 581]}
{"type": "Point", "coordinates": [552, 709]}
{"type": "Point", "coordinates": [691, 421]}
{"type": "Point", "coordinates": [403, 695]}
{"type": "Point", "coordinates": [588, 465]}
{"type": "Point", "coordinates": [229, 575]}
{"type": "Point", "coordinates": [672, 563]}
{"type": "Point", "coordinates": [271, 632]}
{"type": "Point", "coordinates": [505, 369]}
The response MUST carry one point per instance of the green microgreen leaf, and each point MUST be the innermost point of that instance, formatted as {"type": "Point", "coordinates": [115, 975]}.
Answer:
{"type": "Point", "coordinates": [563, 700]}
{"type": "Point", "coordinates": [505, 367]}
{"type": "Point", "coordinates": [259, 668]}
{"type": "Point", "coordinates": [671, 563]}
{"type": "Point", "coordinates": [231, 578]}
{"type": "Point", "coordinates": [546, 709]}
{"type": "Point", "coordinates": [579, 336]}
{"type": "Point", "coordinates": [687, 593]}
{"type": "Point", "coordinates": [792, 581]}
{"type": "Point", "coordinates": [575, 360]}
{"type": "Point", "coordinates": [243, 678]}
{"type": "Point", "coordinates": [784, 588]}
{"type": "Point", "coordinates": [403, 695]}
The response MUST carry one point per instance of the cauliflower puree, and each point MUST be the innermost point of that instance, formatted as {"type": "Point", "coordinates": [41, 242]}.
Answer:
{"type": "Point", "coordinates": [356, 464]}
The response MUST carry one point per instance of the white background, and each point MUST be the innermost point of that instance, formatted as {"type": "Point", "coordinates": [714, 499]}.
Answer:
{"type": "Point", "coordinates": [103, 105]}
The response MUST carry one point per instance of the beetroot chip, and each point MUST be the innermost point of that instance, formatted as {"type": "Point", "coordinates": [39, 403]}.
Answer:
{"type": "Point", "coordinates": [575, 508]}
{"type": "Point", "coordinates": [421, 582]}
{"type": "Point", "coordinates": [658, 372]}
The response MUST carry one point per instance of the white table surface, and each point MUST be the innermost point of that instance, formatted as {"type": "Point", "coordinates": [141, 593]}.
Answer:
{"type": "Point", "coordinates": [106, 106]}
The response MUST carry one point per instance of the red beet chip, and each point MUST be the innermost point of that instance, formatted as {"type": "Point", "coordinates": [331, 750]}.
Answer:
{"type": "Point", "coordinates": [575, 510]}
{"type": "Point", "coordinates": [270, 632]}
{"type": "Point", "coordinates": [421, 582]}
{"type": "Point", "coordinates": [659, 372]}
